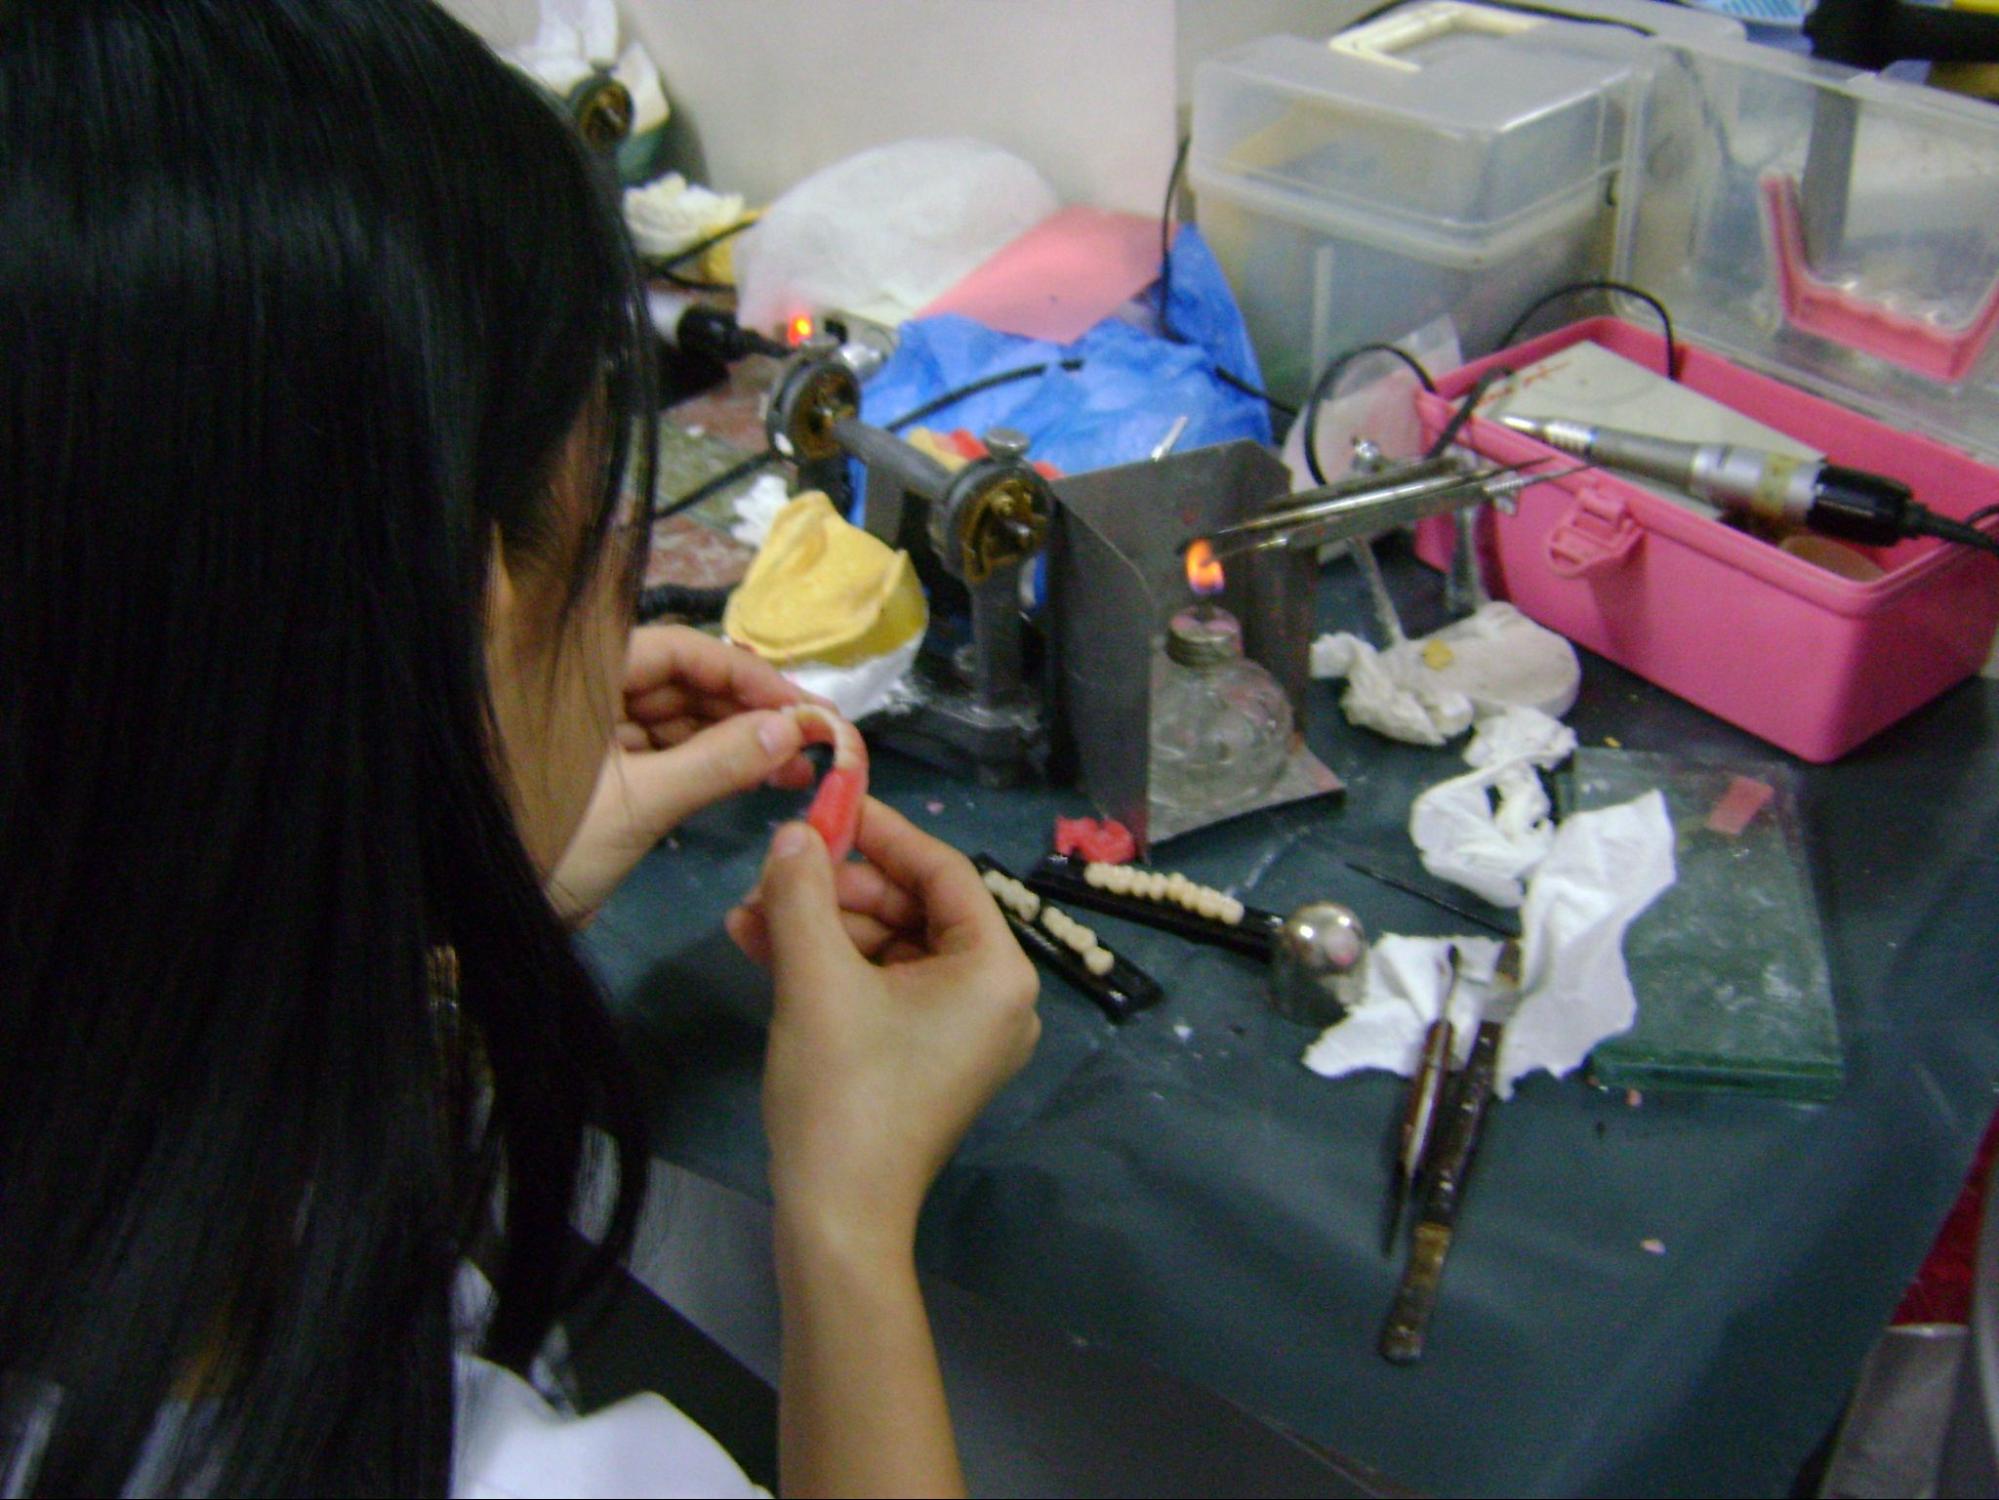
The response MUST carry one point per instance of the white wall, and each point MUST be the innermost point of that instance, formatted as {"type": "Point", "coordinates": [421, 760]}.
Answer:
{"type": "Point", "coordinates": [1205, 27]}
{"type": "Point", "coordinates": [1092, 92]}
{"type": "Point", "coordinates": [504, 23]}
{"type": "Point", "coordinates": [774, 89]}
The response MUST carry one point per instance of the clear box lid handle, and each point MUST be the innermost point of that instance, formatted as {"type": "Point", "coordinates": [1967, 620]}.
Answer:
{"type": "Point", "coordinates": [1377, 42]}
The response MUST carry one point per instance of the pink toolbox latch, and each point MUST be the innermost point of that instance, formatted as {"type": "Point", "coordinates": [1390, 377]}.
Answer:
{"type": "Point", "coordinates": [1595, 536]}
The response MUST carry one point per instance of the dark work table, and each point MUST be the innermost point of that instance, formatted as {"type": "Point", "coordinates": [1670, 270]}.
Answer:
{"type": "Point", "coordinates": [1179, 1189]}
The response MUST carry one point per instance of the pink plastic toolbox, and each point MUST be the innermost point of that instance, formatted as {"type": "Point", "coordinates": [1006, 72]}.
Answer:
{"type": "Point", "coordinates": [1810, 661]}
{"type": "Point", "coordinates": [1899, 188]}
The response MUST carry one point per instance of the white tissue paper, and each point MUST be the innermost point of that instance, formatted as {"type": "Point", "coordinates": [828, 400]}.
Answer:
{"type": "Point", "coordinates": [867, 687]}
{"type": "Point", "coordinates": [1386, 691]}
{"type": "Point", "coordinates": [885, 232]}
{"type": "Point", "coordinates": [757, 508]}
{"type": "Point", "coordinates": [670, 214]}
{"type": "Point", "coordinates": [1459, 832]}
{"type": "Point", "coordinates": [578, 37]}
{"type": "Point", "coordinates": [1605, 868]}
{"type": "Point", "coordinates": [1427, 691]}
{"type": "Point", "coordinates": [1408, 980]}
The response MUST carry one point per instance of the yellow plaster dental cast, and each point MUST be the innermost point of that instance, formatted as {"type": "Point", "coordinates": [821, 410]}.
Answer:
{"type": "Point", "coordinates": [821, 590]}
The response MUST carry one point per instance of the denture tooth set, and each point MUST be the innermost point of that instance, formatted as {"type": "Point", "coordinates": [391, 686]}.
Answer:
{"type": "Point", "coordinates": [1164, 900]}
{"type": "Point", "coordinates": [1029, 908]}
{"type": "Point", "coordinates": [1172, 889]}
{"type": "Point", "coordinates": [1118, 986]}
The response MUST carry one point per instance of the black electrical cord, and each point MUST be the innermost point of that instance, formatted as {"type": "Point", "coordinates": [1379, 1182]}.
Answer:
{"type": "Point", "coordinates": [1166, 236]}
{"type": "Point", "coordinates": [1922, 521]}
{"type": "Point", "coordinates": [964, 392]}
{"type": "Point", "coordinates": [715, 485]}
{"type": "Point", "coordinates": [1467, 404]}
{"type": "Point", "coordinates": [665, 266]}
{"type": "Point", "coordinates": [1576, 288]}
{"type": "Point", "coordinates": [1328, 381]}
{"type": "Point", "coordinates": [1227, 377]}
{"type": "Point", "coordinates": [702, 247]}
{"type": "Point", "coordinates": [693, 283]}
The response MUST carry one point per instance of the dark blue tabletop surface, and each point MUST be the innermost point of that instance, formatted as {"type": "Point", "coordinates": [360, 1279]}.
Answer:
{"type": "Point", "coordinates": [1181, 1189]}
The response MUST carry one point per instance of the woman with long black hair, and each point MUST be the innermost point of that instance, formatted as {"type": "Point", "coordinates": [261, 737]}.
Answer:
{"type": "Point", "coordinates": [321, 381]}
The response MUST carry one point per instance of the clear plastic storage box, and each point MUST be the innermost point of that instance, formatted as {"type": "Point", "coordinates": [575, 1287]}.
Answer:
{"type": "Point", "coordinates": [1446, 158]}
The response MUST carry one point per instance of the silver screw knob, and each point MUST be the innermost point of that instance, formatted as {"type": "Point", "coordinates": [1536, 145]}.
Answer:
{"type": "Point", "coordinates": [1007, 443]}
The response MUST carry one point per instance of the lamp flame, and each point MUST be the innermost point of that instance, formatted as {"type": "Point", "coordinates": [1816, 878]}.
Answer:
{"type": "Point", "coordinates": [1204, 569]}
{"type": "Point", "coordinates": [798, 330]}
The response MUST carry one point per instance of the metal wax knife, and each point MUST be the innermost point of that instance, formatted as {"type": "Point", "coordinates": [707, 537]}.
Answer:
{"type": "Point", "coordinates": [1419, 1110]}
{"type": "Point", "coordinates": [1449, 1167]}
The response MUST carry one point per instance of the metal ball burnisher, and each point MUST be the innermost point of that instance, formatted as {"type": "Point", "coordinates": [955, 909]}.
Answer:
{"type": "Point", "coordinates": [1318, 968]}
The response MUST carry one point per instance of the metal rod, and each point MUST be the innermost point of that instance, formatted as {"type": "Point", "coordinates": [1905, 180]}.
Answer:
{"type": "Point", "coordinates": [1349, 496]}
{"type": "Point", "coordinates": [1385, 613]}
{"type": "Point", "coordinates": [879, 449]}
{"type": "Point", "coordinates": [1325, 522]}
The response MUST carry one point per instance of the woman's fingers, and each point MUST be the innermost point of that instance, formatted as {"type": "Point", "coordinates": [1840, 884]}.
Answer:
{"type": "Point", "coordinates": [677, 701]}
{"type": "Point", "coordinates": [958, 909]}
{"type": "Point", "coordinates": [660, 655]}
{"type": "Point", "coordinates": [667, 786]}
{"type": "Point", "coordinates": [878, 944]}
{"type": "Point", "coordinates": [865, 891]}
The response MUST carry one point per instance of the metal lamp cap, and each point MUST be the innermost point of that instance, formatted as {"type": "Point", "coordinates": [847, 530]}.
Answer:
{"type": "Point", "coordinates": [1203, 635]}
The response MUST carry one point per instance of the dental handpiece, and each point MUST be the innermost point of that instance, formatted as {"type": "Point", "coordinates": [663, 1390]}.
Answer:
{"type": "Point", "coordinates": [1835, 501]}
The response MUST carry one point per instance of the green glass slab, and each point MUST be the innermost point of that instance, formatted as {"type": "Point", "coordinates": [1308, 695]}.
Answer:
{"type": "Point", "coordinates": [1729, 965]}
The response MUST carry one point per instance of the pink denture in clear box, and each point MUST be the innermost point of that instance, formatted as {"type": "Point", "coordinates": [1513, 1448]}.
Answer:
{"type": "Point", "coordinates": [1799, 656]}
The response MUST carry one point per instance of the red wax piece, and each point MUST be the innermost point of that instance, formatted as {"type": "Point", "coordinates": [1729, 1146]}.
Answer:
{"type": "Point", "coordinates": [1734, 810]}
{"type": "Point", "coordinates": [1105, 843]}
{"type": "Point", "coordinates": [835, 813]}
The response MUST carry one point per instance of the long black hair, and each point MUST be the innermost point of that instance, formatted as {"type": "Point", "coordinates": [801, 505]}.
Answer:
{"type": "Point", "coordinates": [299, 300]}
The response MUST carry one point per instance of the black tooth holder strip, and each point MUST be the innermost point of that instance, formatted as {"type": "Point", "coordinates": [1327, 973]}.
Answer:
{"type": "Point", "coordinates": [1061, 876]}
{"type": "Point", "coordinates": [1120, 994]}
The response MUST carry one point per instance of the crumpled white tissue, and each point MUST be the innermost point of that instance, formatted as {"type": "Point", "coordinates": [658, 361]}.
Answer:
{"type": "Point", "coordinates": [575, 39]}
{"type": "Point", "coordinates": [1408, 981]}
{"type": "Point", "coordinates": [887, 231]}
{"type": "Point", "coordinates": [670, 214]}
{"type": "Point", "coordinates": [1605, 868]}
{"type": "Point", "coordinates": [1427, 691]}
{"type": "Point", "coordinates": [1463, 837]}
{"type": "Point", "coordinates": [1386, 691]}
{"type": "Point", "coordinates": [867, 687]}
{"type": "Point", "coordinates": [757, 508]}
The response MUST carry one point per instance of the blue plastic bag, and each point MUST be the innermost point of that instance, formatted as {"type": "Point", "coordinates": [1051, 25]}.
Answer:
{"type": "Point", "coordinates": [1133, 383]}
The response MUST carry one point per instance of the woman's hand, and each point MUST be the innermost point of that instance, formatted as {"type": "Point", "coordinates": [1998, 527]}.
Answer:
{"type": "Point", "coordinates": [903, 1003]}
{"type": "Point", "coordinates": [699, 723]}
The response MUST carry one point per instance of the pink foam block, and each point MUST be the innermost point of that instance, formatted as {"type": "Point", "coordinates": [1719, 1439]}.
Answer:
{"type": "Point", "coordinates": [1060, 279]}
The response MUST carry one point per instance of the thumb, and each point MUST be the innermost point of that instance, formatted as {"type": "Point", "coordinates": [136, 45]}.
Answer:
{"type": "Point", "coordinates": [801, 911]}
{"type": "Point", "coordinates": [740, 752]}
